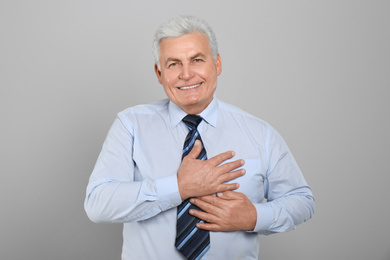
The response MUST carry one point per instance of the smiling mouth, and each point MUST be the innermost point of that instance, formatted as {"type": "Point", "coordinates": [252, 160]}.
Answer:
{"type": "Point", "coordinates": [190, 87]}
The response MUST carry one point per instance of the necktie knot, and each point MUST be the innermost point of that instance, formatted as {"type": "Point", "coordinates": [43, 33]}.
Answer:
{"type": "Point", "coordinates": [192, 121]}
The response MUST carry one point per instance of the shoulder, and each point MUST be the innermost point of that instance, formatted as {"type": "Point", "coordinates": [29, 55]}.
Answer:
{"type": "Point", "coordinates": [143, 113]}
{"type": "Point", "coordinates": [228, 110]}
{"type": "Point", "coordinates": [234, 117]}
{"type": "Point", "coordinates": [143, 109]}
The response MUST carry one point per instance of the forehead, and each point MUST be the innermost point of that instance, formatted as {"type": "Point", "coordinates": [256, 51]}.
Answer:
{"type": "Point", "coordinates": [185, 45]}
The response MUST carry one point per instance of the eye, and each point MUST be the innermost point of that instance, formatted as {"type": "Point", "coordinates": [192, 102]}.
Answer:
{"type": "Point", "coordinates": [172, 64]}
{"type": "Point", "coordinates": [197, 60]}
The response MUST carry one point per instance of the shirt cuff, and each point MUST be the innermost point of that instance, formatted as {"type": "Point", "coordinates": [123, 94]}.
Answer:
{"type": "Point", "coordinates": [265, 218]}
{"type": "Point", "coordinates": [168, 192]}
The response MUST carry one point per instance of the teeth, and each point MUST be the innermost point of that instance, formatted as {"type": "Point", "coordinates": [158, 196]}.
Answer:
{"type": "Point", "coordinates": [189, 87]}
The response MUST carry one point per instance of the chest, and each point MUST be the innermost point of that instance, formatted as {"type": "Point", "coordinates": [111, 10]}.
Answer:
{"type": "Point", "coordinates": [158, 154]}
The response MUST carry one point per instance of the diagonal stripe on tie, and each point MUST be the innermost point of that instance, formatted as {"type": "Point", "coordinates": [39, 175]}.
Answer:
{"type": "Point", "coordinates": [191, 242]}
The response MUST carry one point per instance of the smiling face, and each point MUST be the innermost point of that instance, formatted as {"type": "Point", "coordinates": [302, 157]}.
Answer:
{"type": "Point", "coordinates": [188, 71]}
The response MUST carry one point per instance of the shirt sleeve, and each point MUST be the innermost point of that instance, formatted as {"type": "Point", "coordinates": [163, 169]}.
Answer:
{"type": "Point", "coordinates": [289, 199]}
{"type": "Point", "coordinates": [112, 193]}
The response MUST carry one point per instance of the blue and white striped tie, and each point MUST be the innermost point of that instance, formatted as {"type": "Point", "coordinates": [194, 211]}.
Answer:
{"type": "Point", "coordinates": [191, 242]}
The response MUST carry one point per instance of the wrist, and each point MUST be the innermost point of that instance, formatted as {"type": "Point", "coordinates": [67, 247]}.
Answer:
{"type": "Point", "coordinates": [182, 188]}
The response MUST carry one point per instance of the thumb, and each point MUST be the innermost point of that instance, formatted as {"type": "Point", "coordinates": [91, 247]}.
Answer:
{"type": "Point", "coordinates": [195, 150]}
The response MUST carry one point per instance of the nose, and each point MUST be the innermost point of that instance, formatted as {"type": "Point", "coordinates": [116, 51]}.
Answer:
{"type": "Point", "coordinates": [186, 72]}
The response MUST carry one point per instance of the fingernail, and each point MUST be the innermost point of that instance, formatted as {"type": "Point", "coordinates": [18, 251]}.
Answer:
{"type": "Point", "coordinates": [191, 212]}
{"type": "Point", "coordinates": [233, 153]}
{"type": "Point", "coordinates": [192, 200]}
{"type": "Point", "coordinates": [219, 194]}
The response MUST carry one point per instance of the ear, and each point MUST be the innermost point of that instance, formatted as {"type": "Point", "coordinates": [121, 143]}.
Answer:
{"type": "Point", "coordinates": [158, 73]}
{"type": "Point", "coordinates": [218, 64]}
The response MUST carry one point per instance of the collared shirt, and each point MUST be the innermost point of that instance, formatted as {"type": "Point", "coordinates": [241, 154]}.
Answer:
{"type": "Point", "coordinates": [135, 179]}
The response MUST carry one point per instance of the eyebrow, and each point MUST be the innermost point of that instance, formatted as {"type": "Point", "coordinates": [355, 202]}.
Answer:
{"type": "Point", "coordinates": [199, 54]}
{"type": "Point", "coordinates": [171, 60]}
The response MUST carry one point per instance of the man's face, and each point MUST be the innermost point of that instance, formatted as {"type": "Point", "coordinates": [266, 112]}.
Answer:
{"type": "Point", "coordinates": [188, 71]}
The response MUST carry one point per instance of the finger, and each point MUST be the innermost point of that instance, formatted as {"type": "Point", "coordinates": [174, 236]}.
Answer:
{"type": "Point", "coordinates": [195, 150]}
{"type": "Point", "coordinates": [210, 204]}
{"type": "Point", "coordinates": [209, 226]}
{"type": "Point", "coordinates": [230, 166]}
{"type": "Point", "coordinates": [219, 158]}
{"type": "Point", "coordinates": [209, 199]}
{"type": "Point", "coordinates": [206, 203]}
{"type": "Point", "coordinates": [209, 218]}
{"type": "Point", "coordinates": [201, 215]}
{"type": "Point", "coordinates": [231, 175]}
{"type": "Point", "coordinates": [227, 187]}
{"type": "Point", "coordinates": [230, 195]}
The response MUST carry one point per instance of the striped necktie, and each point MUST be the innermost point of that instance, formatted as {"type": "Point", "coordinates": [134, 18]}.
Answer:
{"type": "Point", "coordinates": [191, 242]}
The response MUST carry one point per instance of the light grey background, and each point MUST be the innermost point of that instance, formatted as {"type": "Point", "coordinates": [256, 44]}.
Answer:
{"type": "Point", "coordinates": [318, 71]}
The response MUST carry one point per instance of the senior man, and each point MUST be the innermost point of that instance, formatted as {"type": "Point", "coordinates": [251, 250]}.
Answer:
{"type": "Point", "coordinates": [192, 177]}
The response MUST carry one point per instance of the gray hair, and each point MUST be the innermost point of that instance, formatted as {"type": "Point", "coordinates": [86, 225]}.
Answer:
{"type": "Point", "coordinates": [179, 26]}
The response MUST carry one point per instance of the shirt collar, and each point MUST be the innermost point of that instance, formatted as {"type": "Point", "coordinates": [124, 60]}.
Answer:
{"type": "Point", "coordinates": [210, 114]}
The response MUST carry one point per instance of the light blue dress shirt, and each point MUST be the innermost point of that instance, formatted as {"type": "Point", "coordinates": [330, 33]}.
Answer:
{"type": "Point", "coordinates": [134, 180]}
